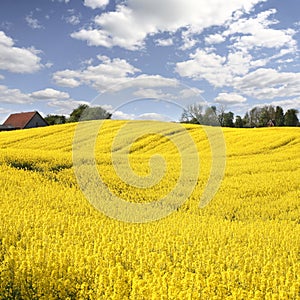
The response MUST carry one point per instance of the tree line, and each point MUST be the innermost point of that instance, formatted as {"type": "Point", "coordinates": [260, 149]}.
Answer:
{"type": "Point", "coordinates": [82, 113]}
{"type": "Point", "coordinates": [268, 115]}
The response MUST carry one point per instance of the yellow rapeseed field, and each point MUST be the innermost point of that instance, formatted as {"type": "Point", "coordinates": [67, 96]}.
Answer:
{"type": "Point", "coordinates": [245, 244]}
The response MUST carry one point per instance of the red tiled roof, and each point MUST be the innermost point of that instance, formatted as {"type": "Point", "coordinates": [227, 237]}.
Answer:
{"type": "Point", "coordinates": [19, 120]}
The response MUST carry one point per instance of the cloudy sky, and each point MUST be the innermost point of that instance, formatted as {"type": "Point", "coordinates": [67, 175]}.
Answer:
{"type": "Point", "coordinates": [148, 59]}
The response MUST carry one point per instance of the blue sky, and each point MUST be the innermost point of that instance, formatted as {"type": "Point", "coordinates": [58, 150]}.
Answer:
{"type": "Point", "coordinates": [148, 59]}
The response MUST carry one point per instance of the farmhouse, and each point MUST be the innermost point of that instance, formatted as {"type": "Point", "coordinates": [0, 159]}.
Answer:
{"type": "Point", "coordinates": [271, 123]}
{"type": "Point", "coordinates": [23, 120]}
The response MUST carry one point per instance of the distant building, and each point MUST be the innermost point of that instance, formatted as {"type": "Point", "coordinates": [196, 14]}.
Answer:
{"type": "Point", "coordinates": [23, 120]}
{"type": "Point", "coordinates": [6, 128]}
{"type": "Point", "coordinates": [271, 123]}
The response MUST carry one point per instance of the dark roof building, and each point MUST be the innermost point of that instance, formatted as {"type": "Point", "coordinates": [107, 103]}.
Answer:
{"type": "Point", "coordinates": [6, 128]}
{"type": "Point", "coordinates": [25, 120]}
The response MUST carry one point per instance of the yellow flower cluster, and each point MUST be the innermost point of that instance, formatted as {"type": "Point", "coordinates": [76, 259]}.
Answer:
{"type": "Point", "coordinates": [244, 245]}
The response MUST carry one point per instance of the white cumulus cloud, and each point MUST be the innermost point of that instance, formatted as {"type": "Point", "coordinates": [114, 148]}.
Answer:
{"type": "Point", "coordinates": [100, 77]}
{"type": "Point", "coordinates": [66, 106]}
{"type": "Point", "coordinates": [67, 78]}
{"type": "Point", "coordinates": [131, 22]}
{"type": "Point", "coordinates": [215, 39]}
{"type": "Point", "coordinates": [13, 96]}
{"type": "Point", "coordinates": [153, 117]}
{"type": "Point", "coordinates": [53, 98]}
{"type": "Point", "coordinates": [164, 42]}
{"type": "Point", "coordinates": [49, 94]}
{"type": "Point", "coordinates": [110, 74]}
{"type": "Point", "coordinates": [120, 115]}
{"type": "Point", "coordinates": [189, 93]}
{"type": "Point", "coordinates": [269, 84]}
{"type": "Point", "coordinates": [152, 93]}
{"type": "Point", "coordinates": [256, 32]}
{"type": "Point", "coordinates": [15, 59]}
{"type": "Point", "coordinates": [230, 98]}
{"type": "Point", "coordinates": [293, 103]}
{"type": "Point", "coordinates": [204, 65]}
{"type": "Point", "coordinates": [95, 3]}
{"type": "Point", "coordinates": [248, 65]}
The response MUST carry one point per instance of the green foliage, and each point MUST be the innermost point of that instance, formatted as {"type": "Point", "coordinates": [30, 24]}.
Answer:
{"type": "Point", "coordinates": [290, 118]}
{"type": "Point", "coordinates": [246, 120]}
{"type": "Point", "coordinates": [239, 122]}
{"type": "Point", "coordinates": [195, 114]}
{"type": "Point", "coordinates": [84, 113]}
{"type": "Point", "coordinates": [95, 113]}
{"type": "Point", "coordinates": [192, 114]}
{"type": "Point", "coordinates": [260, 117]}
{"type": "Point", "coordinates": [266, 114]}
{"type": "Point", "coordinates": [55, 119]}
{"type": "Point", "coordinates": [77, 112]}
{"type": "Point", "coordinates": [210, 117]}
{"type": "Point", "coordinates": [279, 116]}
{"type": "Point", "coordinates": [256, 117]}
{"type": "Point", "coordinates": [228, 119]}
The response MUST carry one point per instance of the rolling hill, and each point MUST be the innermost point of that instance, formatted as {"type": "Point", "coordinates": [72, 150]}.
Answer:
{"type": "Point", "coordinates": [56, 244]}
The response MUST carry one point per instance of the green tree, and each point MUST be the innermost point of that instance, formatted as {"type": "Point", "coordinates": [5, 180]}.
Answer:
{"type": "Point", "coordinates": [246, 120]}
{"type": "Point", "coordinates": [266, 114]}
{"type": "Point", "coordinates": [77, 112]}
{"type": "Point", "coordinates": [55, 119]}
{"type": "Point", "coordinates": [254, 116]}
{"type": "Point", "coordinates": [84, 113]}
{"type": "Point", "coordinates": [192, 114]}
{"type": "Point", "coordinates": [195, 114]}
{"type": "Point", "coordinates": [239, 122]}
{"type": "Point", "coordinates": [95, 113]}
{"type": "Point", "coordinates": [220, 112]}
{"type": "Point", "coordinates": [210, 117]}
{"type": "Point", "coordinates": [228, 119]}
{"type": "Point", "coordinates": [279, 116]}
{"type": "Point", "coordinates": [290, 118]}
